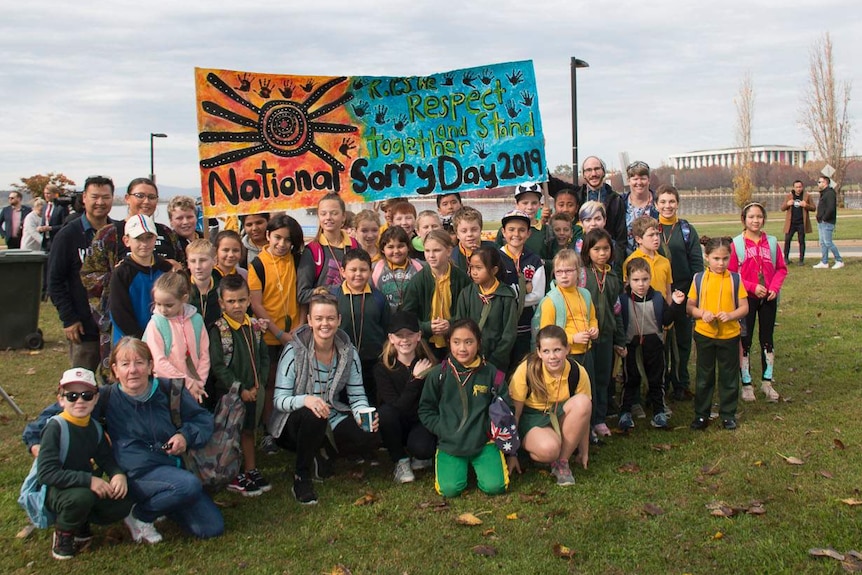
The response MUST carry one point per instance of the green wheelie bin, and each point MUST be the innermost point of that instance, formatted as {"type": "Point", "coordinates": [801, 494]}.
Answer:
{"type": "Point", "coordinates": [20, 298]}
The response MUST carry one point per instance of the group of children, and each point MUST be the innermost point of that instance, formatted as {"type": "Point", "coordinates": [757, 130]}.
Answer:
{"type": "Point", "coordinates": [425, 289]}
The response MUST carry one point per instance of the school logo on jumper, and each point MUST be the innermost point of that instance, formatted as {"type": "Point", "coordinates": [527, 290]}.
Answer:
{"type": "Point", "coordinates": [272, 142]}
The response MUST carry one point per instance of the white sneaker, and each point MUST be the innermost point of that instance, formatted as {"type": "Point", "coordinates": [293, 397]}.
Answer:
{"type": "Point", "coordinates": [403, 473]}
{"type": "Point", "coordinates": [821, 266]}
{"type": "Point", "coordinates": [770, 393]}
{"type": "Point", "coordinates": [142, 531]}
{"type": "Point", "coordinates": [419, 464]}
{"type": "Point", "coordinates": [748, 393]}
{"type": "Point", "coordinates": [838, 265]}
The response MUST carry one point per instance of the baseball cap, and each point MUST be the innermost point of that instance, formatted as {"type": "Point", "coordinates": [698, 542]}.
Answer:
{"type": "Point", "coordinates": [78, 375]}
{"type": "Point", "coordinates": [138, 225]}
{"type": "Point", "coordinates": [404, 320]}
{"type": "Point", "coordinates": [516, 215]}
{"type": "Point", "coordinates": [528, 188]}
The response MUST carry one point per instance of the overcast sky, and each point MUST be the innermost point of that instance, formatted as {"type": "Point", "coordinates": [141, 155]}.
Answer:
{"type": "Point", "coordinates": [82, 84]}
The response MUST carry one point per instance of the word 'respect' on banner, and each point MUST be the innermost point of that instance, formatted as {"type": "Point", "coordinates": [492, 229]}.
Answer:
{"type": "Point", "coordinates": [271, 142]}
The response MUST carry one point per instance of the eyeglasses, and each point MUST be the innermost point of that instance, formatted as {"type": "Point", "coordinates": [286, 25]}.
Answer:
{"type": "Point", "coordinates": [85, 395]}
{"type": "Point", "coordinates": [141, 196]}
{"type": "Point", "coordinates": [565, 271]}
{"type": "Point", "coordinates": [637, 166]}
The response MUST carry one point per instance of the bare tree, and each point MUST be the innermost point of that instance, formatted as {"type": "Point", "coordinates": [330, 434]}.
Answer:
{"type": "Point", "coordinates": [743, 171]}
{"type": "Point", "coordinates": [823, 114]}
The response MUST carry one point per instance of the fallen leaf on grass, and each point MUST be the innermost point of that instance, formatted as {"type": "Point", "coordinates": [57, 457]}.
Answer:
{"type": "Point", "coordinates": [340, 570]}
{"type": "Point", "coordinates": [485, 550]}
{"type": "Point", "coordinates": [435, 505]}
{"type": "Point", "coordinates": [490, 532]}
{"type": "Point", "coordinates": [852, 502]}
{"type": "Point", "coordinates": [855, 554]}
{"type": "Point", "coordinates": [366, 499]}
{"type": "Point", "coordinates": [777, 417]}
{"type": "Point", "coordinates": [653, 509]}
{"type": "Point", "coordinates": [563, 552]}
{"type": "Point", "coordinates": [25, 532]}
{"type": "Point", "coordinates": [35, 352]}
{"type": "Point", "coordinates": [838, 443]}
{"type": "Point", "coordinates": [718, 535]}
{"type": "Point", "coordinates": [468, 519]}
{"type": "Point", "coordinates": [512, 516]}
{"type": "Point", "coordinates": [758, 463]}
{"type": "Point", "coordinates": [758, 509]}
{"type": "Point", "coordinates": [711, 469]}
{"type": "Point", "coordinates": [828, 552]}
{"type": "Point", "coordinates": [723, 511]}
{"type": "Point", "coordinates": [31, 371]}
{"type": "Point", "coordinates": [851, 565]}
{"type": "Point", "coordinates": [792, 460]}
{"type": "Point", "coordinates": [537, 497]}
{"type": "Point", "coordinates": [825, 474]}
{"type": "Point", "coordinates": [662, 447]}
{"type": "Point", "coordinates": [630, 467]}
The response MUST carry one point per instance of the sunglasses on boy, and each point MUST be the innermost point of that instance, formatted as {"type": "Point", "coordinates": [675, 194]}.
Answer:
{"type": "Point", "coordinates": [85, 395]}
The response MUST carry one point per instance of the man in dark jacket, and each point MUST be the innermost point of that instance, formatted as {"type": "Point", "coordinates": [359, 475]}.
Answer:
{"type": "Point", "coordinates": [827, 213]}
{"type": "Point", "coordinates": [53, 216]}
{"type": "Point", "coordinates": [596, 189]}
{"type": "Point", "coordinates": [71, 246]}
{"type": "Point", "coordinates": [12, 220]}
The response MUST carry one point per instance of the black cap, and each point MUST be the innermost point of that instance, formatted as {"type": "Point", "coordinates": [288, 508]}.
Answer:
{"type": "Point", "coordinates": [404, 320]}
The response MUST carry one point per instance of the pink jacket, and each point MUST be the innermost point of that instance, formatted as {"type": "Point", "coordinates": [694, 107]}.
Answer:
{"type": "Point", "coordinates": [758, 259]}
{"type": "Point", "coordinates": [183, 337]}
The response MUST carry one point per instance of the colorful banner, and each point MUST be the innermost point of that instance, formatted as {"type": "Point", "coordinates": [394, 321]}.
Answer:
{"type": "Point", "coordinates": [271, 142]}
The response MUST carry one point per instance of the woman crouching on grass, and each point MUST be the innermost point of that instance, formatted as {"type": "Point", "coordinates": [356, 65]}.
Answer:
{"type": "Point", "coordinates": [454, 406]}
{"type": "Point", "coordinates": [553, 404]}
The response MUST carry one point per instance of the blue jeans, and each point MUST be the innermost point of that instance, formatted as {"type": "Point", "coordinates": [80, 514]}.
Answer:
{"type": "Point", "coordinates": [825, 230]}
{"type": "Point", "coordinates": [179, 495]}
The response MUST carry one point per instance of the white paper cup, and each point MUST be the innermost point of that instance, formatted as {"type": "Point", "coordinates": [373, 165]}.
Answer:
{"type": "Point", "coordinates": [366, 417]}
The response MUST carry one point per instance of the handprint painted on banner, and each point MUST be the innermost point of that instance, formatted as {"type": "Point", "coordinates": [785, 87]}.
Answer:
{"type": "Point", "coordinates": [400, 122]}
{"type": "Point", "coordinates": [244, 82]}
{"type": "Point", "coordinates": [527, 98]}
{"type": "Point", "coordinates": [358, 84]}
{"type": "Point", "coordinates": [448, 79]}
{"type": "Point", "coordinates": [512, 109]}
{"type": "Point", "coordinates": [308, 86]}
{"type": "Point", "coordinates": [480, 151]}
{"type": "Point", "coordinates": [487, 76]}
{"type": "Point", "coordinates": [265, 88]}
{"type": "Point", "coordinates": [360, 108]}
{"type": "Point", "coordinates": [380, 114]}
{"type": "Point", "coordinates": [347, 144]}
{"type": "Point", "coordinates": [515, 78]}
{"type": "Point", "coordinates": [468, 79]}
{"type": "Point", "coordinates": [287, 88]}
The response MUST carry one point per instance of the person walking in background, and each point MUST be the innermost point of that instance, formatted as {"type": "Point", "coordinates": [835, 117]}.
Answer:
{"type": "Point", "coordinates": [53, 217]}
{"type": "Point", "coordinates": [796, 206]}
{"type": "Point", "coordinates": [12, 220]}
{"type": "Point", "coordinates": [30, 237]}
{"type": "Point", "coordinates": [827, 212]}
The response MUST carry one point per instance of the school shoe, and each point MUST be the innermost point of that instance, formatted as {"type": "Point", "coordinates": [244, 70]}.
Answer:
{"type": "Point", "coordinates": [699, 424]}
{"type": "Point", "coordinates": [748, 393]}
{"type": "Point", "coordinates": [729, 424]}
{"type": "Point", "coordinates": [419, 464]}
{"type": "Point", "coordinates": [63, 545]}
{"type": "Point", "coordinates": [659, 421]}
{"type": "Point", "coordinates": [638, 411]}
{"type": "Point", "coordinates": [403, 473]}
{"type": "Point", "coordinates": [561, 470]}
{"type": "Point", "coordinates": [141, 530]}
{"type": "Point", "coordinates": [303, 491]}
{"type": "Point", "coordinates": [83, 536]}
{"type": "Point", "coordinates": [838, 265]}
{"type": "Point", "coordinates": [626, 422]}
{"type": "Point", "coordinates": [267, 445]}
{"type": "Point", "coordinates": [770, 393]}
{"type": "Point", "coordinates": [256, 477]}
{"type": "Point", "coordinates": [745, 370]}
{"type": "Point", "coordinates": [321, 468]}
{"type": "Point", "coordinates": [601, 430]}
{"type": "Point", "coordinates": [821, 266]}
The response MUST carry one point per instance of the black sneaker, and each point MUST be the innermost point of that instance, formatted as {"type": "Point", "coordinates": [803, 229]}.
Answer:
{"type": "Point", "coordinates": [699, 424]}
{"type": "Point", "coordinates": [321, 468]}
{"type": "Point", "coordinates": [83, 536]}
{"type": "Point", "coordinates": [255, 477]}
{"type": "Point", "coordinates": [245, 486]}
{"type": "Point", "coordinates": [729, 424]}
{"type": "Point", "coordinates": [63, 545]}
{"type": "Point", "coordinates": [303, 490]}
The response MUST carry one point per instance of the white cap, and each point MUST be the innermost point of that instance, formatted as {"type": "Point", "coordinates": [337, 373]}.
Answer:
{"type": "Point", "coordinates": [138, 225]}
{"type": "Point", "coordinates": [78, 375]}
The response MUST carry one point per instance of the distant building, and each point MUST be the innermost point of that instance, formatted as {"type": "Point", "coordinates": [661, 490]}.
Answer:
{"type": "Point", "coordinates": [729, 157]}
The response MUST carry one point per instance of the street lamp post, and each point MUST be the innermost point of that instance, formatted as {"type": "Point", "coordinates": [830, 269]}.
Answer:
{"type": "Point", "coordinates": [152, 169]}
{"type": "Point", "coordinates": [576, 63]}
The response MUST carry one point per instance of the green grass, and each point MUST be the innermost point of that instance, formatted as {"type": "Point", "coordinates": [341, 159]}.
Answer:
{"type": "Point", "coordinates": [602, 518]}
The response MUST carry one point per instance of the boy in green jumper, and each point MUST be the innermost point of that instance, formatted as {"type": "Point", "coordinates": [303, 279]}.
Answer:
{"type": "Point", "coordinates": [364, 314]}
{"type": "Point", "coordinates": [528, 199]}
{"type": "Point", "coordinates": [238, 352]}
{"type": "Point", "coordinates": [75, 494]}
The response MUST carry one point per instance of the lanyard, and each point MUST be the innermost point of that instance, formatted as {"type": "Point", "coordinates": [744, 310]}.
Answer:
{"type": "Point", "coordinates": [357, 339]}
{"type": "Point", "coordinates": [601, 282]}
{"type": "Point", "coordinates": [251, 354]}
